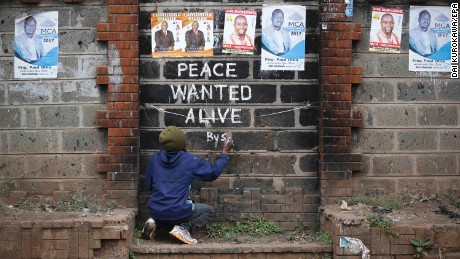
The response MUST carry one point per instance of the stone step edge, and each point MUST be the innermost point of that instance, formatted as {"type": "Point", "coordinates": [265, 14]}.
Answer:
{"type": "Point", "coordinates": [225, 248]}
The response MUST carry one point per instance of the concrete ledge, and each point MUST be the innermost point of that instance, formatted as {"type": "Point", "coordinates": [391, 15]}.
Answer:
{"type": "Point", "coordinates": [28, 234]}
{"type": "Point", "coordinates": [224, 250]}
{"type": "Point", "coordinates": [445, 238]}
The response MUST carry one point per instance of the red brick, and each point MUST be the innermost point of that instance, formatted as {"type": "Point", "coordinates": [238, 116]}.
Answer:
{"type": "Point", "coordinates": [331, 96]}
{"type": "Point", "coordinates": [126, 106]}
{"type": "Point", "coordinates": [123, 141]}
{"type": "Point", "coordinates": [134, 159]}
{"type": "Point", "coordinates": [123, 9]}
{"type": "Point", "coordinates": [329, 35]}
{"type": "Point", "coordinates": [340, 79]}
{"type": "Point", "coordinates": [338, 44]}
{"type": "Point", "coordinates": [335, 149]}
{"type": "Point", "coordinates": [123, 36]}
{"type": "Point", "coordinates": [102, 70]}
{"type": "Point", "coordinates": [124, 27]}
{"type": "Point", "coordinates": [336, 53]}
{"type": "Point", "coordinates": [123, 53]}
{"type": "Point", "coordinates": [123, 45]}
{"type": "Point", "coordinates": [336, 88]}
{"type": "Point", "coordinates": [126, 2]}
{"type": "Point", "coordinates": [341, 70]}
{"type": "Point", "coordinates": [329, 131]}
{"type": "Point", "coordinates": [124, 88]}
{"type": "Point", "coordinates": [125, 62]}
{"type": "Point", "coordinates": [122, 18]}
{"type": "Point", "coordinates": [102, 114]}
{"type": "Point", "coordinates": [102, 80]}
{"type": "Point", "coordinates": [123, 97]}
{"type": "Point", "coordinates": [336, 61]}
{"type": "Point", "coordinates": [123, 150]}
{"type": "Point", "coordinates": [356, 123]}
{"type": "Point", "coordinates": [341, 26]}
{"type": "Point", "coordinates": [123, 114]}
{"type": "Point", "coordinates": [342, 140]}
{"type": "Point", "coordinates": [335, 113]}
{"type": "Point", "coordinates": [339, 105]}
{"type": "Point", "coordinates": [348, 35]}
{"type": "Point", "coordinates": [123, 132]}
{"type": "Point", "coordinates": [102, 27]}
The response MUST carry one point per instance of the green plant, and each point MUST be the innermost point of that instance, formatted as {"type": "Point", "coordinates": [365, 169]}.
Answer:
{"type": "Point", "coordinates": [376, 220]}
{"type": "Point", "coordinates": [250, 227]}
{"type": "Point", "coordinates": [323, 236]}
{"type": "Point", "coordinates": [132, 255]}
{"type": "Point", "coordinates": [420, 246]}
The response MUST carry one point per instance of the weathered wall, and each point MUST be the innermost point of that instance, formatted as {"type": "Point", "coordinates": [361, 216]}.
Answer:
{"type": "Point", "coordinates": [410, 135]}
{"type": "Point", "coordinates": [48, 134]}
{"type": "Point", "coordinates": [274, 170]}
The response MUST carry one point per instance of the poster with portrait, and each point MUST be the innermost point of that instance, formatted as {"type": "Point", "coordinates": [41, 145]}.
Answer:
{"type": "Point", "coordinates": [239, 31]}
{"type": "Point", "coordinates": [386, 29]}
{"type": "Point", "coordinates": [166, 35]}
{"type": "Point", "coordinates": [36, 46]}
{"type": "Point", "coordinates": [198, 34]}
{"type": "Point", "coordinates": [429, 38]}
{"type": "Point", "coordinates": [182, 34]}
{"type": "Point", "coordinates": [283, 37]}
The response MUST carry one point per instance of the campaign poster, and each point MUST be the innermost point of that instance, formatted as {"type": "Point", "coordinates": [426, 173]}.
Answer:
{"type": "Point", "coordinates": [429, 38]}
{"type": "Point", "coordinates": [386, 29]}
{"type": "Point", "coordinates": [182, 34]}
{"type": "Point", "coordinates": [166, 34]}
{"type": "Point", "coordinates": [36, 46]}
{"type": "Point", "coordinates": [198, 34]}
{"type": "Point", "coordinates": [239, 31]}
{"type": "Point", "coordinates": [283, 37]}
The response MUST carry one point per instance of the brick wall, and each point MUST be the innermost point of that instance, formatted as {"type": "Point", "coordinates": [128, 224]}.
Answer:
{"type": "Point", "coordinates": [48, 135]}
{"type": "Point", "coordinates": [273, 171]}
{"type": "Point", "coordinates": [121, 162]}
{"type": "Point", "coordinates": [68, 236]}
{"type": "Point", "coordinates": [336, 119]}
{"type": "Point", "coordinates": [409, 138]}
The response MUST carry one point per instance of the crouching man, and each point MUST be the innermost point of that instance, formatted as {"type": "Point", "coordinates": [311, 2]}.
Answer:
{"type": "Point", "coordinates": [169, 175]}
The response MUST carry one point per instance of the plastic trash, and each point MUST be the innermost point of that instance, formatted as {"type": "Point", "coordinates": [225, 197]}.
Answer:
{"type": "Point", "coordinates": [356, 246]}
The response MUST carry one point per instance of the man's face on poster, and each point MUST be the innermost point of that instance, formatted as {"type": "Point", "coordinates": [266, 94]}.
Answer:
{"type": "Point", "coordinates": [424, 21]}
{"type": "Point", "coordinates": [241, 26]}
{"type": "Point", "coordinates": [29, 27]}
{"type": "Point", "coordinates": [277, 19]}
{"type": "Point", "coordinates": [164, 26]}
{"type": "Point", "coordinates": [195, 26]}
{"type": "Point", "coordinates": [387, 23]}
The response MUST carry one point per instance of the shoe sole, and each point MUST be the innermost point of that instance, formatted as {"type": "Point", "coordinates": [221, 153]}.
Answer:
{"type": "Point", "coordinates": [181, 238]}
{"type": "Point", "coordinates": [147, 232]}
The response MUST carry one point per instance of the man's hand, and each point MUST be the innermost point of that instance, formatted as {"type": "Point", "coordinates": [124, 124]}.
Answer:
{"type": "Point", "coordinates": [228, 145]}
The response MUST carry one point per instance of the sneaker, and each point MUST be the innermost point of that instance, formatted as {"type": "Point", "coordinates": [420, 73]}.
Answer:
{"type": "Point", "coordinates": [149, 229]}
{"type": "Point", "coordinates": [183, 235]}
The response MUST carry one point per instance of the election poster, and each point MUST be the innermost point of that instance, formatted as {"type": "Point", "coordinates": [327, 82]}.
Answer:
{"type": "Point", "coordinates": [36, 46]}
{"type": "Point", "coordinates": [166, 35]}
{"type": "Point", "coordinates": [429, 38]}
{"type": "Point", "coordinates": [283, 37]}
{"type": "Point", "coordinates": [239, 31]}
{"type": "Point", "coordinates": [182, 34]}
{"type": "Point", "coordinates": [386, 29]}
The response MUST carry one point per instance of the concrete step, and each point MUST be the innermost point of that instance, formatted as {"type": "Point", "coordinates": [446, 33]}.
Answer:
{"type": "Point", "coordinates": [288, 250]}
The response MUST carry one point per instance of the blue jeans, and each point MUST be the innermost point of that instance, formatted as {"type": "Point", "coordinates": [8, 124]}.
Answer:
{"type": "Point", "coordinates": [198, 219]}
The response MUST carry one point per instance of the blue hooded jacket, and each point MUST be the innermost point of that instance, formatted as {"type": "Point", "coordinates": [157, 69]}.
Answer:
{"type": "Point", "coordinates": [170, 174]}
